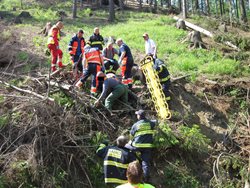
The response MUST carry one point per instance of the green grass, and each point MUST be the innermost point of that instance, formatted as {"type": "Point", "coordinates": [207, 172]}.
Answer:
{"type": "Point", "coordinates": [130, 26]}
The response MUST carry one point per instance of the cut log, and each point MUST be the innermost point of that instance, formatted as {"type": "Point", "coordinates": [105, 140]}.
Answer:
{"type": "Point", "coordinates": [195, 27]}
{"type": "Point", "coordinates": [205, 32]}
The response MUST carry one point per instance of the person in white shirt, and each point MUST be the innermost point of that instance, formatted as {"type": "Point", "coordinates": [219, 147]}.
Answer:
{"type": "Point", "coordinates": [150, 46]}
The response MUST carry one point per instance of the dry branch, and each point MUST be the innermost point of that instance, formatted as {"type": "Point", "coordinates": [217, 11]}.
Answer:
{"type": "Point", "coordinates": [27, 91]}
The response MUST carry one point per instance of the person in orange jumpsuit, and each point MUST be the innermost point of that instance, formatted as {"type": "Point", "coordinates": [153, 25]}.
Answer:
{"type": "Point", "coordinates": [53, 45]}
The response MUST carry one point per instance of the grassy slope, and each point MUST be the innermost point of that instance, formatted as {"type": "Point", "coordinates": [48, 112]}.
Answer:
{"type": "Point", "coordinates": [130, 27]}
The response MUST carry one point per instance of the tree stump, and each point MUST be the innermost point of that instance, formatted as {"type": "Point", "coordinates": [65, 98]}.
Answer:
{"type": "Point", "coordinates": [24, 14]}
{"type": "Point", "coordinates": [17, 20]}
{"type": "Point", "coordinates": [180, 24]}
{"type": "Point", "coordinates": [196, 40]}
{"type": "Point", "coordinates": [222, 27]}
{"type": "Point", "coordinates": [46, 29]}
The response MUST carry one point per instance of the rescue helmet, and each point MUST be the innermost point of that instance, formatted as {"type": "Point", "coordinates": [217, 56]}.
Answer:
{"type": "Point", "coordinates": [100, 74]}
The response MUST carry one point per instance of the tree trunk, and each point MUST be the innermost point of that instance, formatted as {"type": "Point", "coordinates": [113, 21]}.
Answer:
{"type": "Point", "coordinates": [243, 11]}
{"type": "Point", "coordinates": [140, 4]}
{"type": "Point", "coordinates": [216, 7]}
{"type": "Point", "coordinates": [155, 6]}
{"type": "Point", "coordinates": [111, 11]}
{"type": "Point", "coordinates": [179, 5]}
{"type": "Point", "coordinates": [74, 8]}
{"type": "Point", "coordinates": [208, 7]}
{"type": "Point", "coordinates": [169, 3]}
{"type": "Point", "coordinates": [184, 9]}
{"type": "Point", "coordinates": [121, 3]}
{"type": "Point", "coordinates": [221, 8]}
{"type": "Point", "coordinates": [196, 5]}
{"type": "Point", "coordinates": [81, 4]}
{"type": "Point", "coordinates": [237, 9]}
{"type": "Point", "coordinates": [21, 4]}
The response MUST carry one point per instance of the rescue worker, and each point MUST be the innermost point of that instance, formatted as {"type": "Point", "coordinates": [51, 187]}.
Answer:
{"type": "Point", "coordinates": [92, 64]}
{"type": "Point", "coordinates": [116, 160]}
{"type": "Point", "coordinates": [96, 40]}
{"type": "Point", "coordinates": [150, 46]}
{"type": "Point", "coordinates": [126, 61]}
{"type": "Point", "coordinates": [111, 65]}
{"type": "Point", "coordinates": [76, 50]}
{"type": "Point", "coordinates": [135, 177]}
{"type": "Point", "coordinates": [53, 45]}
{"type": "Point", "coordinates": [162, 71]}
{"type": "Point", "coordinates": [112, 90]}
{"type": "Point", "coordinates": [142, 133]}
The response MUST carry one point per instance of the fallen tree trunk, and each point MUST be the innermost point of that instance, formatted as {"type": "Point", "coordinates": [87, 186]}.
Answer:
{"type": "Point", "coordinates": [195, 27]}
{"type": "Point", "coordinates": [205, 32]}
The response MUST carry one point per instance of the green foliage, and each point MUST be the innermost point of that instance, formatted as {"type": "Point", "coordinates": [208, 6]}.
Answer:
{"type": "Point", "coordinates": [221, 67]}
{"type": "Point", "coordinates": [62, 99]}
{"type": "Point", "coordinates": [59, 178]}
{"type": "Point", "coordinates": [22, 174]}
{"type": "Point", "coordinates": [2, 182]}
{"type": "Point", "coordinates": [232, 172]}
{"type": "Point", "coordinates": [242, 42]}
{"type": "Point", "coordinates": [6, 34]}
{"type": "Point", "coordinates": [87, 12]}
{"type": "Point", "coordinates": [165, 137]}
{"type": "Point", "coordinates": [22, 56]}
{"type": "Point", "coordinates": [1, 98]}
{"type": "Point", "coordinates": [178, 175]}
{"type": "Point", "coordinates": [192, 139]}
{"type": "Point", "coordinates": [98, 138]}
{"type": "Point", "coordinates": [4, 119]}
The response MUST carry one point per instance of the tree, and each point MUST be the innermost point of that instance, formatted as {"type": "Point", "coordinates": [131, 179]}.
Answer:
{"type": "Point", "coordinates": [74, 9]}
{"type": "Point", "coordinates": [184, 9]}
{"type": "Point", "coordinates": [208, 6]}
{"type": "Point", "coordinates": [111, 11]}
{"type": "Point", "coordinates": [243, 11]}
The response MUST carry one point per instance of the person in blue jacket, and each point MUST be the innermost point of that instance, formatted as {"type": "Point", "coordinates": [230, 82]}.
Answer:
{"type": "Point", "coordinates": [164, 76]}
{"type": "Point", "coordinates": [116, 159]}
{"type": "Point", "coordinates": [142, 133]}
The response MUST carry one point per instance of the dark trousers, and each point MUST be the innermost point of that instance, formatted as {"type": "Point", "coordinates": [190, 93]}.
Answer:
{"type": "Point", "coordinates": [146, 157]}
{"type": "Point", "coordinates": [77, 62]}
{"type": "Point", "coordinates": [165, 88]}
{"type": "Point", "coordinates": [93, 69]}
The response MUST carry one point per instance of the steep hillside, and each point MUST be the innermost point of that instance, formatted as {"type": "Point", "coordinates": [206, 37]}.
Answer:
{"type": "Point", "coordinates": [50, 131]}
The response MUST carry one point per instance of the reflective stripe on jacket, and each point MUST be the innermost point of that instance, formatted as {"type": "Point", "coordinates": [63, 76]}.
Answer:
{"type": "Point", "coordinates": [116, 160]}
{"type": "Point", "coordinates": [93, 57]}
{"type": "Point", "coordinates": [162, 70]}
{"type": "Point", "coordinates": [73, 45]}
{"type": "Point", "coordinates": [54, 36]}
{"type": "Point", "coordinates": [142, 133]}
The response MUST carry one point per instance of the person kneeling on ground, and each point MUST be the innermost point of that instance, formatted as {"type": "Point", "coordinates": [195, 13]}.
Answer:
{"type": "Point", "coordinates": [112, 90]}
{"type": "Point", "coordinates": [111, 65]}
{"type": "Point", "coordinates": [135, 175]}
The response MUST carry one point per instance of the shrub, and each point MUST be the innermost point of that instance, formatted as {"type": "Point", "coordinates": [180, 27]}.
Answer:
{"type": "Point", "coordinates": [192, 139]}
